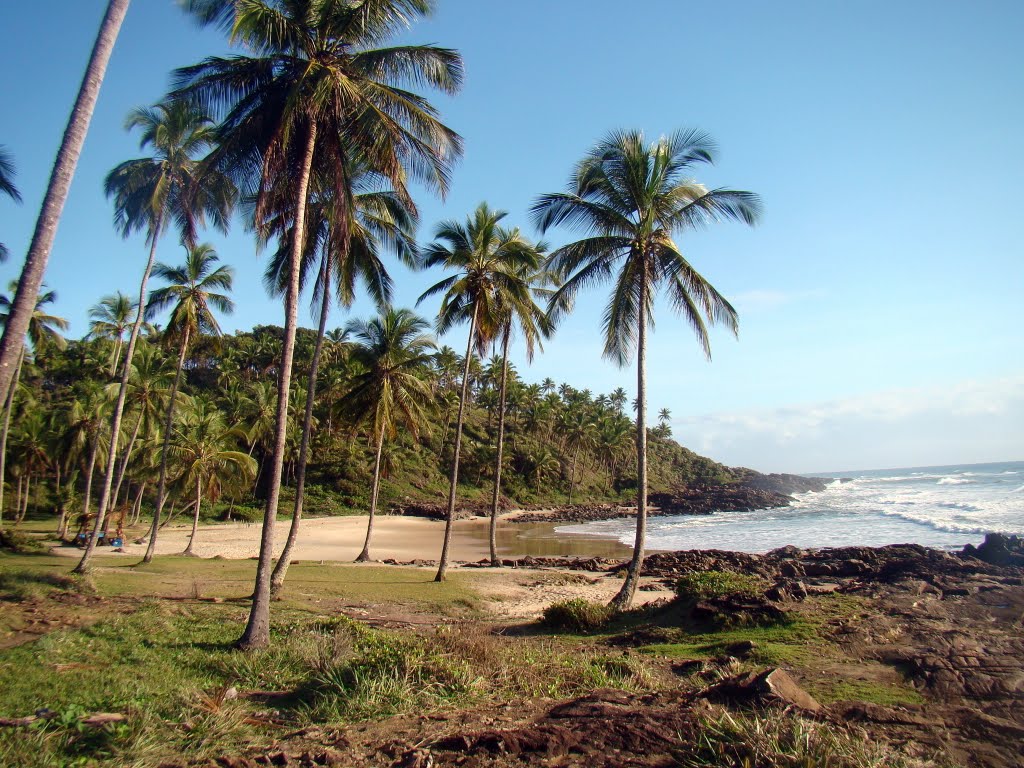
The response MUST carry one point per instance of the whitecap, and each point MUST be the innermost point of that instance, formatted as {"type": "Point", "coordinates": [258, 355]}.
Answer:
{"type": "Point", "coordinates": [954, 481]}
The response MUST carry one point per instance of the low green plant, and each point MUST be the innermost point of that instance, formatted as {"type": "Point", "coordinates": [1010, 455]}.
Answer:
{"type": "Point", "coordinates": [704, 585]}
{"type": "Point", "coordinates": [20, 542]}
{"type": "Point", "coordinates": [781, 740]}
{"type": "Point", "coordinates": [576, 615]}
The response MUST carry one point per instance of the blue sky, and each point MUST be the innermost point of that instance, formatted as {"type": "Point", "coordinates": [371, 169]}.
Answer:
{"type": "Point", "coordinates": [879, 300]}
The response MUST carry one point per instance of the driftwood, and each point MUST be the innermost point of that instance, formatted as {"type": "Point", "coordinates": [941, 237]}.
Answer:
{"type": "Point", "coordinates": [95, 720]}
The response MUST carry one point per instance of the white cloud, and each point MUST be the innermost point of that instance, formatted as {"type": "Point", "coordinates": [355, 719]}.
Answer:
{"type": "Point", "coordinates": [973, 420]}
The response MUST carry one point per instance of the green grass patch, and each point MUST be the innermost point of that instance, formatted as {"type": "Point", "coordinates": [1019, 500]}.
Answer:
{"type": "Point", "coordinates": [704, 585]}
{"type": "Point", "coordinates": [576, 615]}
{"type": "Point", "coordinates": [885, 693]}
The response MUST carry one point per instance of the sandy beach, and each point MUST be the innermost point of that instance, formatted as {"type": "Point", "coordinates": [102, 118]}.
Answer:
{"type": "Point", "coordinates": [395, 537]}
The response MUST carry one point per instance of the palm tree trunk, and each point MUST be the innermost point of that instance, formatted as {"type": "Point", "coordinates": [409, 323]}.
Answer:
{"type": "Point", "coordinates": [90, 470]}
{"type": "Point", "coordinates": [495, 562]}
{"type": "Point", "coordinates": [161, 488]}
{"type": "Point", "coordinates": [195, 517]}
{"type": "Point", "coordinates": [450, 517]}
{"type": "Point", "coordinates": [137, 507]}
{"type": "Point", "coordinates": [8, 407]}
{"type": "Point", "coordinates": [28, 492]}
{"type": "Point", "coordinates": [572, 473]}
{"type": "Point", "coordinates": [281, 569]}
{"type": "Point", "coordinates": [624, 598]}
{"type": "Point", "coordinates": [364, 556]}
{"type": "Point", "coordinates": [56, 193]}
{"type": "Point", "coordinates": [62, 511]}
{"type": "Point", "coordinates": [18, 514]}
{"type": "Point", "coordinates": [123, 466]}
{"type": "Point", "coordinates": [257, 630]}
{"type": "Point", "coordinates": [117, 357]}
{"type": "Point", "coordinates": [122, 394]}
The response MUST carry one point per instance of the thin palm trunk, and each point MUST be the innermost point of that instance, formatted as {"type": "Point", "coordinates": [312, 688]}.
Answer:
{"type": "Point", "coordinates": [495, 562]}
{"type": "Point", "coordinates": [116, 358]}
{"type": "Point", "coordinates": [122, 468]}
{"type": "Point", "coordinates": [62, 510]}
{"type": "Point", "coordinates": [137, 507]}
{"type": "Point", "coordinates": [8, 407]}
{"type": "Point", "coordinates": [364, 556]}
{"type": "Point", "coordinates": [122, 394]}
{"type": "Point", "coordinates": [161, 488]}
{"type": "Point", "coordinates": [572, 473]}
{"type": "Point", "coordinates": [34, 269]}
{"type": "Point", "coordinates": [281, 569]}
{"type": "Point", "coordinates": [17, 501]}
{"type": "Point", "coordinates": [450, 517]}
{"type": "Point", "coordinates": [257, 629]}
{"type": "Point", "coordinates": [89, 472]}
{"type": "Point", "coordinates": [195, 518]}
{"type": "Point", "coordinates": [624, 598]}
{"type": "Point", "coordinates": [25, 502]}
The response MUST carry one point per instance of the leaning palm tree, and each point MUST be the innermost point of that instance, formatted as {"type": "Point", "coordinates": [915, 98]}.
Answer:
{"type": "Point", "coordinates": [149, 193]}
{"type": "Point", "coordinates": [490, 262]}
{"type": "Point", "coordinates": [7, 186]}
{"type": "Point", "coordinates": [203, 449]}
{"type": "Point", "coordinates": [629, 198]}
{"type": "Point", "coordinates": [533, 324]}
{"type": "Point", "coordinates": [395, 353]}
{"type": "Point", "coordinates": [314, 90]}
{"type": "Point", "coordinates": [192, 296]}
{"type": "Point", "coordinates": [34, 270]}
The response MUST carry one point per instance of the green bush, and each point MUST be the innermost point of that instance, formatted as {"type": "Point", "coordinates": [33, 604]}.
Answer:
{"type": "Point", "coordinates": [20, 542]}
{"type": "Point", "coordinates": [707, 584]}
{"type": "Point", "coordinates": [576, 615]}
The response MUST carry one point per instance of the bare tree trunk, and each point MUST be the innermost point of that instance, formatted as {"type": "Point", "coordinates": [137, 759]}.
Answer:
{"type": "Point", "coordinates": [572, 474]}
{"type": "Point", "coordinates": [56, 193]}
{"type": "Point", "coordinates": [281, 569]}
{"type": "Point", "coordinates": [137, 507]}
{"type": "Point", "coordinates": [123, 465]}
{"type": "Point", "coordinates": [450, 517]}
{"type": "Point", "coordinates": [495, 562]}
{"type": "Point", "coordinates": [624, 598]}
{"type": "Point", "coordinates": [17, 501]}
{"type": "Point", "coordinates": [122, 394]}
{"type": "Point", "coordinates": [90, 470]}
{"type": "Point", "coordinates": [161, 488]}
{"type": "Point", "coordinates": [364, 556]}
{"type": "Point", "coordinates": [8, 407]}
{"type": "Point", "coordinates": [257, 630]}
{"type": "Point", "coordinates": [195, 518]}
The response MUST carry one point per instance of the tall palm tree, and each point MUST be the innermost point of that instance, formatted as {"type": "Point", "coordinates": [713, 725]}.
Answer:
{"type": "Point", "coordinates": [630, 197]}
{"type": "Point", "coordinates": [7, 186]}
{"type": "Point", "coordinates": [490, 263]}
{"type": "Point", "coordinates": [34, 270]}
{"type": "Point", "coordinates": [315, 90]}
{"type": "Point", "coordinates": [349, 250]}
{"type": "Point", "coordinates": [203, 449]}
{"type": "Point", "coordinates": [192, 296]}
{"type": "Point", "coordinates": [392, 392]}
{"type": "Point", "coordinates": [110, 319]}
{"type": "Point", "coordinates": [580, 432]}
{"type": "Point", "coordinates": [533, 324]}
{"type": "Point", "coordinates": [149, 193]}
{"type": "Point", "coordinates": [43, 333]}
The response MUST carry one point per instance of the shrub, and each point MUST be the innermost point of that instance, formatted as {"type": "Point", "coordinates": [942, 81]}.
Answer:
{"type": "Point", "coordinates": [576, 615]}
{"type": "Point", "coordinates": [20, 542]}
{"type": "Point", "coordinates": [707, 584]}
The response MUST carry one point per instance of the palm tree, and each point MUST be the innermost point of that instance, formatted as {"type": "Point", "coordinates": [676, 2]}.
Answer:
{"type": "Point", "coordinates": [532, 324]}
{"type": "Point", "coordinates": [392, 392]}
{"type": "Point", "coordinates": [630, 197]}
{"type": "Point", "coordinates": [7, 186]}
{"type": "Point", "coordinates": [315, 91]}
{"type": "Point", "coordinates": [491, 262]}
{"type": "Point", "coordinates": [34, 270]}
{"type": "Point", "coordinates": [349, 250]}
{"type": "Point", "coordinates": [192, 296]}
{"type": "Point", "coordinates": [43, 333]}
{"type": "Point", "coordinates": [580, 432]}
{"type": "Point", "coordinates": [110, 319]}
{"type": "Point", "coordinates": [203, 449]}
{"type": "Point", "coordinates": [148, 192]}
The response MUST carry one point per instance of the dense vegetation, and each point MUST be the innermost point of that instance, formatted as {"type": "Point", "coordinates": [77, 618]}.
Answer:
{"type": "Point", "coordinates": [562, 442]}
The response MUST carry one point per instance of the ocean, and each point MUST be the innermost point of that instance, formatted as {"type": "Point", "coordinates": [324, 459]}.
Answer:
{"type": "Point", "coordinates": [944, 507]}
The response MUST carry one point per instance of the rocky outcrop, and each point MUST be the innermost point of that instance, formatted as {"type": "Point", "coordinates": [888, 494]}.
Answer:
{"type": "Point", "coordinates": [780, 482]}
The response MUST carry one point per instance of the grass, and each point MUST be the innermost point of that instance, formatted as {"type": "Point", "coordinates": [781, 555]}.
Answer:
{"type": "Point", "coordinates": [888, 693]}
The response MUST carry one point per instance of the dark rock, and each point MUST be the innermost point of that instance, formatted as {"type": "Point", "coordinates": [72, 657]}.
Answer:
{"type": "Point", "coordinates": [737, 611]}
{"type": "Point", "coordinates": [998, 549]}
{"type": "Point", "coordinates": [771, 686]}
